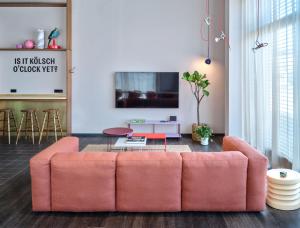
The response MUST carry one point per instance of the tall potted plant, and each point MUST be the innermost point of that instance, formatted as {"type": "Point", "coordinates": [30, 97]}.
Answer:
{"type": "Point", "coordinates": [198, 84]}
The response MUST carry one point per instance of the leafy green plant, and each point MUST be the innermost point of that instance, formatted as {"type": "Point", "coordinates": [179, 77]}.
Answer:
{"type": "Point", "coordinates": [198, 83]}
{"type": "Point", "coordinates": [204, 131]}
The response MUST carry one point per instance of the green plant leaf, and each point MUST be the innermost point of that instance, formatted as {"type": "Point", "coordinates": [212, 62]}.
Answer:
{"type": "Point", "coordinates": [206, 93]}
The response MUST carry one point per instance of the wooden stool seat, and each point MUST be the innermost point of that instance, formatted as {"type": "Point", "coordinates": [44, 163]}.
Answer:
{"type": "Point", "coordinates": [28, 110]}
{"type": "Point", "coordinates": [30, 117]}
{"type": "Point", "coordinates": [54, 113]}
{"type": "Point", "coordinates": [9, 122]}
{"type": "Point", "coordinates": [5, 110]}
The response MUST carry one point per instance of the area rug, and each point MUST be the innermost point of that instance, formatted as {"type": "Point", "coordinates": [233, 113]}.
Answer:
{"type": "Point", "coordinates": [154, 148]}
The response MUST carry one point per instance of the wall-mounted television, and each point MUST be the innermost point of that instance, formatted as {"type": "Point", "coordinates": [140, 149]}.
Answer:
{"type": "Point", "coordinates": [147, 89]}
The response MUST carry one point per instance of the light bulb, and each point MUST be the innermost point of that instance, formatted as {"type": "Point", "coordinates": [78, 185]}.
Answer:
{"type": "Point", "coordinates": [208, 61]}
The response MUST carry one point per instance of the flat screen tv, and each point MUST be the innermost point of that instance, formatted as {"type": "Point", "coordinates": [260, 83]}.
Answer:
{"type": "Point", "coordinates": [147, 89]}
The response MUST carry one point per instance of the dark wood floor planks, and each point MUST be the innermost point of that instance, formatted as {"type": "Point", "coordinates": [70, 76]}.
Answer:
{"type": "Point", "coordinates": [15, 199]}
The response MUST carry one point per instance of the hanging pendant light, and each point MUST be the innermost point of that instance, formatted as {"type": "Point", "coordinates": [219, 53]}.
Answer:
{"type": "Point", "coordinates": [258, 44]}
{"type": "Point", "coordinates": [207, 20]}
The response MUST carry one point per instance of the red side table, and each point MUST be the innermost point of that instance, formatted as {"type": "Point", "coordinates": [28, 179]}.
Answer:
{"type": "Point", "coordinates": [153, 136]}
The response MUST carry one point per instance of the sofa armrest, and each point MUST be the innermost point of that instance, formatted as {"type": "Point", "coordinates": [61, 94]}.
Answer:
{"type": "Point", "coordinates": [256, 174]}
{"type": "Point", "coordinates": [40, 172]}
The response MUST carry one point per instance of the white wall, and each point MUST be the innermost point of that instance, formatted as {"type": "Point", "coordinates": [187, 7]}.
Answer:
{"type": "Point", "coordinates": [141, 35]}
{"type": "Point", "coordinates": [233, 102]}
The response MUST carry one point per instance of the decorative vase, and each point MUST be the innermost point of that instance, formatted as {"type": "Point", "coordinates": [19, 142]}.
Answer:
{"type": "Point", "coordinates": [29, 44]}
{"type": "Point", "coordinates": [40, 41]}
{"type": "Point", "coordinates": [195, 136]}
{"type": "Point", "coordinates": [204, 141]}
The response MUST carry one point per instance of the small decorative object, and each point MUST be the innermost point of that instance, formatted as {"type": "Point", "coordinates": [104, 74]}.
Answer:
{"type": "Point", "coordinates": [173, 118]}
{"type": "Point", "coordinates": [40, 41]}
{"type": "Point", "coordinates": [137, 121]}
{"type": "Point", "coordinates": [52, 39]}
{"type": "Point", "coordinates": [19, 46]}
{"type": "Point", "coordinates": [198, 83]}
{"type": "Point", "coordinates": [29, 44]}
{"type": "Point", "coordinates": [283, 174]}
{"type": "Point", "coordinates": [204, 132]}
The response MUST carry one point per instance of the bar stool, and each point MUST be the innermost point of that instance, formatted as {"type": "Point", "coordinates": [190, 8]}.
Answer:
{"type": "Point", "coordinates": [9, 122]}
{"type": "Point", "coordinates": [30, 117]}
{"type": "Point", "coordinates": [54, 113]}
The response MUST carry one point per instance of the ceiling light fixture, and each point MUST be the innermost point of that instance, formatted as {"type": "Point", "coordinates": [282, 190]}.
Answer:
{"type": "Point", "coordinates": [221, 37]}
{"type": "Point", "coordinates": [257, 42]}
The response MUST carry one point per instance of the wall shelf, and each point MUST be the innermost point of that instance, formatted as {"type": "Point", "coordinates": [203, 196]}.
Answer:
{"type": "Point", "coordinates": [40, 50]}
{"type": "Point", "coordinates": [33, 4]}
{"type": "Point", "coordinates": [31, 97]}
{"type": "Point", "coordinates": [63, 100]}
{"type": "Point", "coordinates": [155, 123]}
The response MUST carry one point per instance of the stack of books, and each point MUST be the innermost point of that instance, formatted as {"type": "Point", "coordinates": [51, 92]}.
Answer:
{"type": "Point", "coordinates": [134, 139]}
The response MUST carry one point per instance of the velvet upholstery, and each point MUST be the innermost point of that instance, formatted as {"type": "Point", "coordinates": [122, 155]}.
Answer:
{"type": "Point", "coordinates": [83, 182]}
{"type": "Point", "coordinates": [214, 181]}
{"type": "Point", "coordinates": [40, 172]}
{"type": "Point", "coordinates": [64, 180]}
{"type": "Point", "coordinates": [149, 182]}
{"type": "Point", "coordinates": [256, 174]}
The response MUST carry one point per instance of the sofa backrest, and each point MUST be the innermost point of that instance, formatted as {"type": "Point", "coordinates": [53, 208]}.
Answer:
{"type": "Point", "coordinates": [83, 181]}
{"type": "Point", "coordinates": [257, 171]}
{"type": "Point", "coordinates": [40, 171]}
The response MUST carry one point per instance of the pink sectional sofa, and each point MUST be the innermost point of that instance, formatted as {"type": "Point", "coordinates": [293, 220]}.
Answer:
{"type": "Point", "coordinates": [65, 180]}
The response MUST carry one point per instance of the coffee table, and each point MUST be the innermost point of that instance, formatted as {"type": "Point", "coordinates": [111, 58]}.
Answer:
{"type": "Point", "coordinates": [115, 132]}
{"type": "Point", "coordinates": [159, 136]}
{"type": "Point", "coordinates": [121, 143]}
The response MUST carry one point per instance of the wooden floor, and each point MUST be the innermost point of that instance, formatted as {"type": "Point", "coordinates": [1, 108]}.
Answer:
{"type": "Point", "coordinates": [15, 200]}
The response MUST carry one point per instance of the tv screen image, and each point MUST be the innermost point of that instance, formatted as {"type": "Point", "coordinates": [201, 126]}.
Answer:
{"type": "Point", "coordinates": [147, 89]}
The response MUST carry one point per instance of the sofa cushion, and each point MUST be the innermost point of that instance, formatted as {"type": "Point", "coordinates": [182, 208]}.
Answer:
{"type": "Point", "coordinates": [83, 182]}
{"type": "Point", "coordinates": [257, 172]}
{"type": "Point", "coordinates": [149, 182]}
{"type": "Point", "coordinates": [214, 181]}
{"type": "Point", "coordinates": [40, 171]}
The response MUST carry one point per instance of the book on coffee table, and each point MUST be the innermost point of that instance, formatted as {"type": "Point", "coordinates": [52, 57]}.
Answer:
{"type": "Point", "coordinates": [135, 139]}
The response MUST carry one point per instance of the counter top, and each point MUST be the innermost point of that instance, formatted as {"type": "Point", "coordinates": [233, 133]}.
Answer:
{"type": "Point", "coordinates": [32, 97]}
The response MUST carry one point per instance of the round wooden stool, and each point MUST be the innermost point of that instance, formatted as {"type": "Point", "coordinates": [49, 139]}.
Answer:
{"type": "Point", "coordinates": [30, 118]}
{"type": "Point", "coordinates": [9, 122]}
{"type": "Point", "coordinates": [54, 113]}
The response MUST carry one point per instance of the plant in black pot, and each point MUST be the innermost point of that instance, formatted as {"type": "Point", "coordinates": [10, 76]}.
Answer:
{"type": "Point", "coordinates": [204, 132]}
{"type": "Point", "coordinates": [199, 84]}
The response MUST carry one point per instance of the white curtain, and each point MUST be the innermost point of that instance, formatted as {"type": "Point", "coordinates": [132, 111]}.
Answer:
{"type": "Point", "coordinates": [270, 79]}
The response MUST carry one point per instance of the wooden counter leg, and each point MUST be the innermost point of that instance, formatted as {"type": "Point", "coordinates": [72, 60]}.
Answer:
{"type": "Point", "coordinates": [32, 127]}
{"type": "Point", "coordinates": [48, 120]}
{"type": "Point", "coordinates": [26, 123]}
{"type": "Point", "coordinates": [14, 121]}
{"type": "Point", "coordinates": [8, 126]}
{"type": "Point", "coordinates": [54, 122]}
{"type": "Point", "coordinates": [37, 122]}
{"type": "Point", "coordinates": [20, 127]}
{"type": "Point", "coordinates": [43, 126]}
{"type": "Point", "coordinates": [59, 124]}
{"type": "Point", "coordinates": [4, 124]}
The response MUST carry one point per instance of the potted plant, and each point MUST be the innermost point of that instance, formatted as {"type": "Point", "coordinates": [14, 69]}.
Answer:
{"type": "Point", "coordinates": [198, 84]}
{"type": "Point", "coordinates": [204, 132]}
